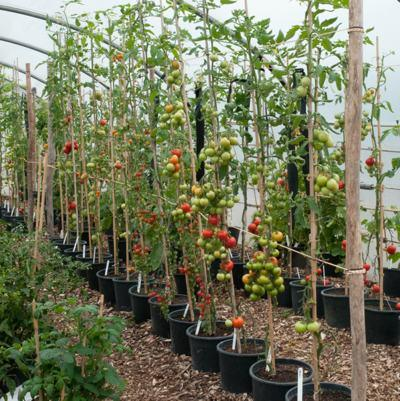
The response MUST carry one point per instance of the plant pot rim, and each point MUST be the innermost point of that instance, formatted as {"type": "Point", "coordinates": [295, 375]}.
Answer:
{"type": "Point", "coordinates": [392, 269]}
{"type": "Point", "coordinates": [222, 350]}
{"type": "Point", "coordinates": [207, 338]}
{"type": "Point", "coordinates": [296, 283]}
{"type": "Point", "coordinates": [171, 315]}
{"type": "Point", "coordinates": [330, 292]}
{"type": "Point", "coordinates": [276, 383]}
{"type": "Point", "coordinates": [376, 301]}
{"type": "Point", "coordinates": [153, 300]}
{"type": "Point", "coordinates": [100, 273]}
{"type": "Point", "coordinates": [123, 279]}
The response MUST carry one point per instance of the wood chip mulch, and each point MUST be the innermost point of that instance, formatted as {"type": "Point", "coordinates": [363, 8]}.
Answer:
{"type": "Point", "coordinates": [152, 372]}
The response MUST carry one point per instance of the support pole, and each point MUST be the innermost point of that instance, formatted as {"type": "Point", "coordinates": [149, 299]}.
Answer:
{"type": "Point", "coordinates": [353, 234]}
{"type": "Point", "coordinates": [31, 146]}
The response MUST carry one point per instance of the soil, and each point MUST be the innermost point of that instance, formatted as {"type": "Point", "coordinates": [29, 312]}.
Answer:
{"type": "Point", "coordinates": [328, 396]}
{"type": "Point", "coordinates": [221, 331]}
{"type": "Point", "coordinates": [284, 373]}
{"type": "Point", "coordinates": [248, 348]}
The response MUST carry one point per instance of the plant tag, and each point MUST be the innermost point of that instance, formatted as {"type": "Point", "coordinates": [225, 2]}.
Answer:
{"type": "Point", "coordinates": [8, 206]}
{"type": "Point", "coordinates": [139, 286]}
{"type": "Point", "coordinates": [323, 273]}
{"type": "Point", "coordinates": [65, 238]}
{"type": "Point", "coordinates": [198, 328]}
{"type": "Point", "coordinates": [84, 251]}
{"type": "Point", "coordinates": [17, 212]}
{"type": "Point", "coordinates": [76, 244]}
{"type": "Point", "coordinates": [298, 272]}
{"type": "Point", "coordinates": [287, 240]}
{"type": "Point", "coordinates": [269, 356]}
{"type": "Point", "coordinates": [94, 254]}
{"type": "Point", "coordinates": [107, 266]}
{"type": "Point", "coordinates": [234, 339]}
{"type": "Point", "coordinates": [230, 253]}
{"type": "Point", "coordinates": [300, 384]}
{"type": "Point", "coordinates": [186, 311]}
{"type": "Point", "coordinates": [12, 211]}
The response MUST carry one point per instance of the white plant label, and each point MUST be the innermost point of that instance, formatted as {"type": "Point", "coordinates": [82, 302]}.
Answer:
{"type": "Point", "coordinates": [234, 339]}
{"type": "Point", "coordinates": [300, 384]}
{"type": "Point", "coordinates": [76, 244]}
{"type": "Point", "coordinates": [12, 211]}
{"type": "Point", "coordinates": [107, 266]}
{"type": "Point", "coordinates": [17, 212]}
{"type": "Point", "coordinates": [298, 272]}
{"type": "Point", "coordinates": [65, 238]}
{"type": "Point", "coordinates": [94, 254]}
{"type": "Point", "coordinates": [323, 273]}
{"type": "Point", "coordinates": [84, 251]}
{"type": "Point", "coordinates": [198, 328]}
{"type": "Point", "coordinates": [230, 253]}
{"type": "Point", "coordinates": [139, 286]}
{"type": "Point", "coordinates": [186, 311]}
{"type": "Point", "coordinates": [8, 206]}
{"type": "Point", "coordinates": [287, 240]}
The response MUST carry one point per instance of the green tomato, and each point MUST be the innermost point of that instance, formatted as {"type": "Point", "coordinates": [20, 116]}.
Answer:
{"type": "Point", "coordinates": [313, 327]}
{"type": "Point", "coordinates": [300, 327]}
{"type": "Point", "coordinates": [332, 185]}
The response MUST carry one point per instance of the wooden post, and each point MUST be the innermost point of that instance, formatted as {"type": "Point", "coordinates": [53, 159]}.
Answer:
{"type": "Point", "coordinates": [31, 146]}
{"type": "Point", "coordinates": [353, 235]}
{"type": "Point", "coordinates": [52, 160]}
{"type": "Point", "coordinates": [313, 217]}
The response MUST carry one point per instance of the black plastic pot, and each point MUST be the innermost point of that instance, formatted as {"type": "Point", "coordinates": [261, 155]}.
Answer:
{"type": "Point", "coordinates": [391, 282]}
{"type": "Point", "coordinates": [106, 285]}
{"type": "Point", "coordinates": [92, 278]}
{"type": "Point", "coordinates": [336, 307]}
{"type": "Point", "coordinates": [180, 282]}
{"type": "Point", "coordinates": [382, 327]}
{"type": "Point", "coordinates": [308, 389]}
{"type": "Point", "coordinates": [121, 245]}
{"type": "Point", "coordinates": [121, 291]}
{"type": "Point", "coordinates": [272, 390]}
{"type": "Point", "coordinates": [214, 268]}
{"type": "Point", "coordinates": [297, 292]}
{"type": "Point", "coordinates": [204, 350]}
{"type": "Point", "coordinates": [237, 274]}
{"type": "Point", "coordinates": [177, 327]}
{"type": "Point", "coordinates": [69, 252]}
{"type": "Point", "coordinates": [285, 298]}
{"type": "Point", "coordinates": [234, 367]}
{"type": "Point", "coordinates": [61, 246]}
{"type": "Point", "coordinates": [139, 305]}
{"type": "Point", "coordinates": [159, 324]}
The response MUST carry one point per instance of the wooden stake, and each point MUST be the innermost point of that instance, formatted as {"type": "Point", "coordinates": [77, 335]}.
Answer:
{"type": "Point", "coordinates": [52, 160]}
{"type": "Point", "coordinates": [353, 234]}
{"type": "Point", "coordinates": [31, 146]}
{"type": "Point", "coordinates": [379, 187]}
{"type": "Point", "coordinates": [313, 220]}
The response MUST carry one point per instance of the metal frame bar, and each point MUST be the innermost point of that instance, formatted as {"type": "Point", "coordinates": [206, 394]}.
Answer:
{"type": "Point", "coordinates": [8, 65]}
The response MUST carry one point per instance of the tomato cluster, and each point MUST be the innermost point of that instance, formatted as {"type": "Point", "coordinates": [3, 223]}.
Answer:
{"type": "Point", "coordinates": [265, 276]}
{"type": "Point", "coordinates": [218, 153]}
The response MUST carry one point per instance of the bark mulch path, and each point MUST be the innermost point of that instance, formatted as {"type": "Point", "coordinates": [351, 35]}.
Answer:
{"type": "Point", "coordinates": [153, 373]}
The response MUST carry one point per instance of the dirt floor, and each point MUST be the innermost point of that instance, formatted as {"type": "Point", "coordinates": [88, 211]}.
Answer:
{"type": "Point", "coordinates": [153, 373]}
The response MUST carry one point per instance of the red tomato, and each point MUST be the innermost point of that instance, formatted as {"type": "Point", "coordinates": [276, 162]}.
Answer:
{"type": "Point", "coordinates": [213, 219]}
{"type": "Point", "coordinates": [176, 152]}
{"type": "Point", "coordinates": [222, 235]}
{"type": "Point", "coordinates": [370, 161]}
{"type": "Point", "coordinates": [366, 266]}
{"type": "Point", "coordinates": [103, 122]}
{"type": "Point", "coordinates": [207, 234]}
{"type": "Point", "coordinates": [375, 289]}
{"type": "Point", "coordinates": [230, 242]}
{"type": "Point", "coordinates": [344, 244]}
{"type": "Point", "coordinates": [238, 322]}
{"type": "Point", "coordinates": [391, 249]}
{"type": "Point", "coordinates": [186, 208]}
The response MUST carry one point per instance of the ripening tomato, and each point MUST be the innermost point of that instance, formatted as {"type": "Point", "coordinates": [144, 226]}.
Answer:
{"type": "Point", "coordinates": [341, 184]}
{"type": "Point", "coordinates": [391, 249]}
{"type": "Point", "coordinates": [213, 219]}
{"type": "Point", "coordinates": [230, 242]}
{"type": "Point", "coordinates": [176, 152]}
{"type": "Point", "coordinates": [227, 266]}
{"type": "Point", "coordinates": [222, 235]}
{"type": "Point", "coordinates": [207, 234]}
{"type": "Point", "coordinates": [238, 322]}
{"type": "Point", "coordinates": [253, 228]}
{"type": "Point", "coordinates": [366, 266]}
{"type": "Point", "coordinates": [344, 244]}
{"type": "Point", "coordinates": [375, 289]}
{"type": "Point", "coordinates": [397, 306]}
{"type": "Point", "coordinates": [186, 208]}
{"type": "Point", "coordinates": [174, 159]}
{"type": "Point", "coordinates": [103, 122]}
{"type": "Point", "coordinates": [118, 165]}
{"type": "Point", "coordinates": [370, 161]}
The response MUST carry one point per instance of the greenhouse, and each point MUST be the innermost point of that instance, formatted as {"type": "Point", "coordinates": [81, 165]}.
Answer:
{"type": "Point", "coordinates": [198, 200]}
